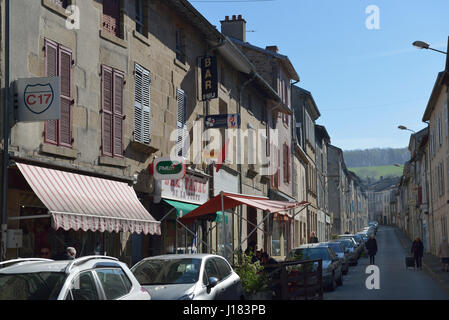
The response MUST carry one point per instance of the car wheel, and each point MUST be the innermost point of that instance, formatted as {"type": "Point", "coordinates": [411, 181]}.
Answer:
{"type": "Point", "coordinates": [340, 280]}
{"type": "Point", "coordinates": [333, 283]}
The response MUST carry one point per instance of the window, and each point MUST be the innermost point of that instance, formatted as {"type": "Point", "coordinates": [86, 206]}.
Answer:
{"type": "Point", "coordinates": [111, 17]}
{"type": "Point", "coordinates": [180, 53]}
{"type": "Point", "coordinates": [140, 17]}
{"type": "Point", "coordinates": [211, 269]}
{"type": "Point", "coordinates": [223, 268]}
{"type": "Point", "coordinates": [61, 3]}
{"type": "Point", "coordinates": [286, 164]}
{"type": "Point", "coordinates": [142, 110]}
{"type": "Point", "coordinates": [84, 287]}
{"type": "Point", "coordinates": [181, 123]}
{"type": "Point", "coordinates": [112, 111]}
{"type": "Point", "coordinates": [58, 62]}
{"type": "Point", "coordinates": [112, 283]}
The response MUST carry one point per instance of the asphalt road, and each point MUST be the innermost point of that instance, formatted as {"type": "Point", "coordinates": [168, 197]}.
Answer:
{"type": "Point", "coordinates": [396, 282]}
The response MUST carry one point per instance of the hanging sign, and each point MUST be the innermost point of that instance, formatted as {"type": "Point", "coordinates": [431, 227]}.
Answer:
{"type": "Point", "coordinates": [38, 99]}
{"type": "Point", "coordinates": [166, 168]}
{"type": "Point", "coordinates": [209, 78]}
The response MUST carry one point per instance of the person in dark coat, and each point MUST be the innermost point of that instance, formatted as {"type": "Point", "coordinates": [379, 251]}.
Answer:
{"type": "Point", "coordinates": [371, 246]}
{"type": "Point", "coordinates": [418, 252]}
{"type": "Point", "coordinates": [313, 238]}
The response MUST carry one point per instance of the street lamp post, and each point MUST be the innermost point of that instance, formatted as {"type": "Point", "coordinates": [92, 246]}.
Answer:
{"type": "Point", "coordinates": [405, 128]}
{"type": "Point", "coordinates": [424, 45]}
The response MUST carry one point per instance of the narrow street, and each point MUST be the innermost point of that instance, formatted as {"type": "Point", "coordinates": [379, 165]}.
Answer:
{"type": "Point", "coordinates": [396, 283]}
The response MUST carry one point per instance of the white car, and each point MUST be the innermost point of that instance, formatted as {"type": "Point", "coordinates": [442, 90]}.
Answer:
{"type": "Point", "coordinates": [189, 277]}
{"type": "Point", "coordinates": [85, 278]}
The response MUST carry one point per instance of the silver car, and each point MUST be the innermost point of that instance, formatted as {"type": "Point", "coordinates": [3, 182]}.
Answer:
{"type": "Point", "coordinates": [86, 278]}
{"type": "Point", "coordinates": [189, 277]}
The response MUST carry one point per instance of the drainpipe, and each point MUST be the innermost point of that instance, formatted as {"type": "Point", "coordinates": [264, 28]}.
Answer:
{"type": "Point", "coordinates": [4, 223]}
{"type": "Point", "coordinates": [239, 165]}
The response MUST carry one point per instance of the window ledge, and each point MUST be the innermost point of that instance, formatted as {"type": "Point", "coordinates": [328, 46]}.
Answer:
{"type": "Point", "coordinates": [180, 64]}
{"type": "Point", "coordinates": [143, 148]}
{"type": "Point", "coordinates": [55, 8]}
{"type": "Point", "coordinates": [112, 162]}
{"type": "Point", "coordinates": [110, 37]}
{"type": "Point", "coordinates": [141, 37]}
{"type": "Point", "coordinates": [58, 151]}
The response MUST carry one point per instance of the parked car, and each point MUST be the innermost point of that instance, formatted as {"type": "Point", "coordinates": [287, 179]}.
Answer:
{"type": "Point", "coordinates": [332, 268]}
{"type": "Point", "coordinates": [350, 249]}
{"type": "Point", "coordinates": [189, 277]}
{"type": "Point", "coordinates": [357, 241]}
{"type": "Point", "coordinates": [85, 278]}
{"type": "Point", "coordinates": [340, 251]}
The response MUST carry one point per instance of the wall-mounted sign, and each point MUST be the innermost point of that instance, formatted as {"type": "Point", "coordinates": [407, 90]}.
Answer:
{"type": "Point", "coordinates": [191, 188]}
{"type": "Point", "coordinates": [229, 121]}
{"type": "Point", "coordinates": [209, 78]}
{"type": "Point", "coordinates": [166, 168]}
{"type": "Point", "coordinates": [38, 99]}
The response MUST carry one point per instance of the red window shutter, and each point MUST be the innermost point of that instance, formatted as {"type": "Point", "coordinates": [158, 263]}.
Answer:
{"type": "Point", "coordinates": [107, 121]}
{"type": "Point", "coordinates": [118, 114]}
{"type": "Point", "coordinates": [51, 69]}
{"type": "Point", "coordinates": [111, 16]}
{"type": "Point", "coordinates": [65, 72]}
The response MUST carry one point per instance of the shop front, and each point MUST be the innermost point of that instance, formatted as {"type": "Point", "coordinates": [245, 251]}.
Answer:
{"type": "Point", "coordinates": [174, 199]}
{"type": "Point", "coordinates": [50, 209]}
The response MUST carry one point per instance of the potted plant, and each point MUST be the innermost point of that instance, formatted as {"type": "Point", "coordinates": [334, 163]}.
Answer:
{"type": "Point", "coordinates": [254, 280]}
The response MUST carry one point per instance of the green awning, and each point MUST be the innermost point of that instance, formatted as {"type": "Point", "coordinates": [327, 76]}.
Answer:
{"type": "Point", "coordinates": [182, 208]}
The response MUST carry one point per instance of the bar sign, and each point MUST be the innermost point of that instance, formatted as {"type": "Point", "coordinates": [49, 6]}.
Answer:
{"type": "Point", "coordinates": [209, 78]}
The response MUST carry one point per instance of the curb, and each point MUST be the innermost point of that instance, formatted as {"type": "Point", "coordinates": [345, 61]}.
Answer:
{"type": "Point", "coordinates": [425, 266]}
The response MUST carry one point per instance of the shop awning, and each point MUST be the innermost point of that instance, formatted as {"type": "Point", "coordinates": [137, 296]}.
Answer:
{"type": "Point", "coordinates": [231, 200]}
{"type": "Point", "coordinates": [182, 208]}
{"type": "Point", "coordinates": [82, 202]}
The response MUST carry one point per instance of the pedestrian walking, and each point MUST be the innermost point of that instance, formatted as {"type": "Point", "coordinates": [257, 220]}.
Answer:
{"type": "Point", "coordinates": [443, 253]}
{"type": "Point", "coordinates": [371, 246]}
{"type": "Point", "coordinates": [313, 238]}
{"type": "Point", "coordinates": [418, 251]}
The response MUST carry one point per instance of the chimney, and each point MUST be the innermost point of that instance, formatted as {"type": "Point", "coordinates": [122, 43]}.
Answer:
{"type": "Point", "coordinates": [235, 28]}
{"type": "Point", "coordinates": [272, 49]}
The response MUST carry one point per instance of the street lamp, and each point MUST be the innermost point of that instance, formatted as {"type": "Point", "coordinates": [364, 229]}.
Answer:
{"type": "Point", "coordinates": [405, 128]}
{"type": "Point", "coordinates": [424, 45]}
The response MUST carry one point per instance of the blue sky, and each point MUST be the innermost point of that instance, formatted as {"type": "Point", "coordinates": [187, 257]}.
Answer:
{"type": "Point", "coordinates": [365, 82]}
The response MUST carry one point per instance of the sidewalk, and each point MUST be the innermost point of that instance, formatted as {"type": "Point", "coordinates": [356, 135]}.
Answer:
{"type": "Point", "coordinates": [431, 263]}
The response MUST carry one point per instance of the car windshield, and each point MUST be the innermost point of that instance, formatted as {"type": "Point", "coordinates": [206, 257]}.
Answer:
{"type": "Point", "coordinates": [31, 286]}
{"type": "Point", "coordinates": [346, 243]}
{"type": "Point", "coordinates": [167, 271]}
{"type": "Point", "coordinates": [336, 247]}
{"type": "Point", "coordinates": [309, 254]}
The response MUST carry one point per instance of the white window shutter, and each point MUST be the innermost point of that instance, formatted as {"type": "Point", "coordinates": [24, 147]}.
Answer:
{"type": "Point", "coordinates": [146, 109]}
{"type": "Point", "coordinates": [446, 122]}
{"type": "Point", "coordinates": [181, 121]}
{"type": "Point", "coordinates": [138, 99]}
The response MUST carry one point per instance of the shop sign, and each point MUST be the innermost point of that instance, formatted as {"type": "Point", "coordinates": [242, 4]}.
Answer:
{"type": "Point", "coordinates": [209, 78]}
{"type": "Point", "coordinates": [191, 189]}
{"type": "Point", "coordinates": [229, 121]}
{"type": "Point", "coordinates": [37, 99]}
{"type": "Point", "coordinates": [166, 168]}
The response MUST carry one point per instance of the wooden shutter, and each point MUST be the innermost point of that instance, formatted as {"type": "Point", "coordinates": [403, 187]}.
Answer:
{"type": "Point", "coordinates": [146, 109]}
{"type": "Point", "coordinates": [118, 113]}
{"type": "Point", "coordinates": [106, 92]}
{"type": "Point", "coordinates": [111, 16]}
{"type": "Point", "coordinates": [65, 72]}
{"type": "Point", "coordinates": [181, 121]}
{"type": "Point", "coordinates": [51, 69]}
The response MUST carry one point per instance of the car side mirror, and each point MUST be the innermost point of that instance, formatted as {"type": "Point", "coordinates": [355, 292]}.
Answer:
{"type": "Point", "coordinates": [212, 282]}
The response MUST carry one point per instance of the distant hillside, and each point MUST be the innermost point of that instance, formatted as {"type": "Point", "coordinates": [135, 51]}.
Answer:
{"type": "Point", "coordinates": [375, 157]}
{"type": "Point", "coordinates": [372, 174]}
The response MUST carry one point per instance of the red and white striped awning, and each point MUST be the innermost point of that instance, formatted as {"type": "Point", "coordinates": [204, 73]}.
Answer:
{"type": "Point", "coordinates": [82, 202]}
